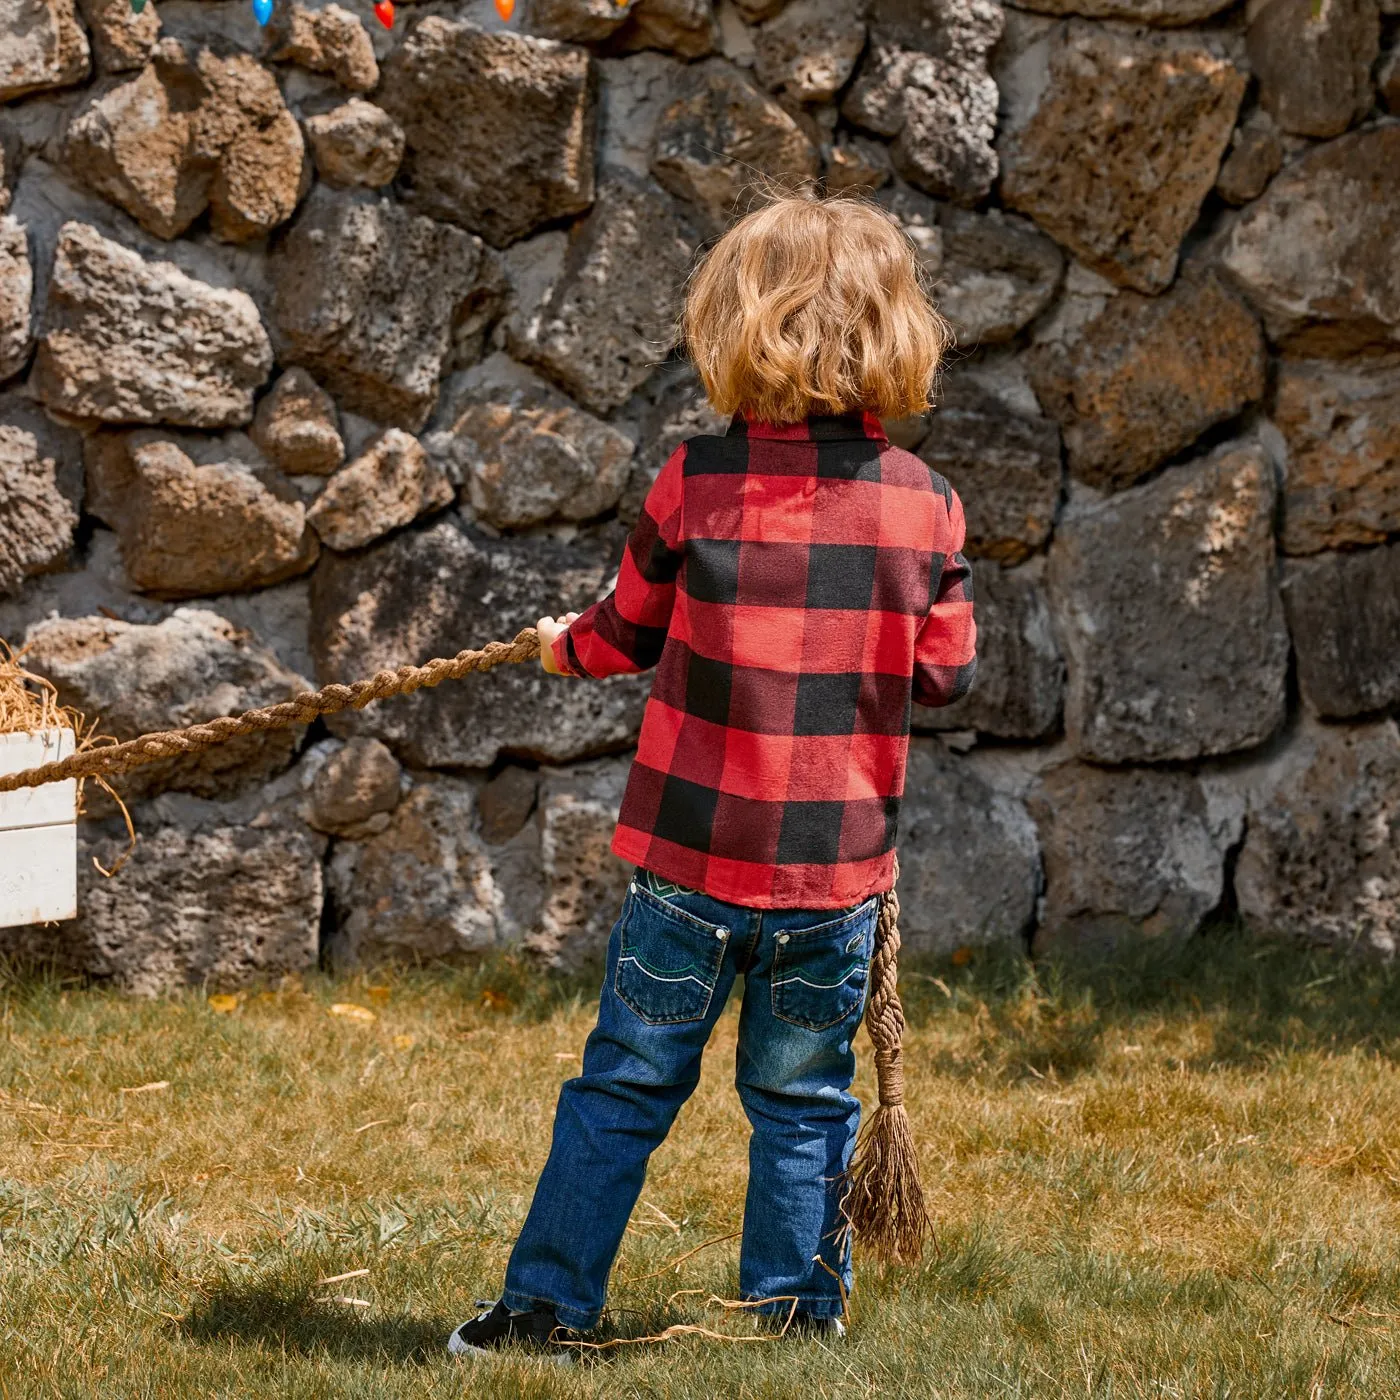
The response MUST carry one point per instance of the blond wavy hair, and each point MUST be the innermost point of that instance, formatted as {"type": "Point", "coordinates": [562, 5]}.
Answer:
{"type": "Point", "coordinates": [814, 305]}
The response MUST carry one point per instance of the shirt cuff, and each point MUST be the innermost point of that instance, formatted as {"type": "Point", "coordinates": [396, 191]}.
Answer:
{"type": "Point", "coordinates": [562, 655]}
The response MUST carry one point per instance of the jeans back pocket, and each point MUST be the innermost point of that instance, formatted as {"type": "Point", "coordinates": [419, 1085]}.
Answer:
{"type": "Point", "coordinates": [819, 973]}
{"type": "Point", "coordinates": [668, 961]}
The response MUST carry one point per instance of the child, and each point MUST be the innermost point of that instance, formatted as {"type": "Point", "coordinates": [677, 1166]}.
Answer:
{"type": "Point", "coordinates": [796, 583]}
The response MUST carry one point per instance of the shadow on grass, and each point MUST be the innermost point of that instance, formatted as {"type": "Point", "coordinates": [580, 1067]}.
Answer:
{"type": "Point", "coordinates": [267, 1314]}
{"type": "Point", "coordinates": [1261, 998]}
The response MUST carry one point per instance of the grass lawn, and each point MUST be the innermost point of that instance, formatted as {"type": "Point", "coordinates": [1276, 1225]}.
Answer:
{"type": "Point", "coordinates": [1178, 1180]}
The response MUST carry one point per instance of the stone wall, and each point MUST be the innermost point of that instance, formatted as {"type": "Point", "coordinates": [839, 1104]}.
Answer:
{"type": "Point", "coordinates": [325, 348]}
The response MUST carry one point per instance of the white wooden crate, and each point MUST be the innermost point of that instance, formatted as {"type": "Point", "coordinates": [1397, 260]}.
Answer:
{"type": "Point", "coordinates": [38, 834]}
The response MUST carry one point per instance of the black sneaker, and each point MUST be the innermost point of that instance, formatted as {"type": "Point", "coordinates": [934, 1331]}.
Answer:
{"type": "Point", "coordinates": [498, 1327]}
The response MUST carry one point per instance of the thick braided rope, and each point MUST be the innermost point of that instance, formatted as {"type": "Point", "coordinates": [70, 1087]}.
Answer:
{"type": "Point", "coordinates": [115, 759]}
{"type": "Point", "coordinates": [884, 1016]}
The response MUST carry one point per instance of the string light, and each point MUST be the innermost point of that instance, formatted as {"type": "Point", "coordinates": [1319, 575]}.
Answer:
{"type": "Point", "coordinates": [262, 11]}
{"type": "Point", "coordinates": [505, 8]}
{"type": "Point", "coordinates": [384, 12]}
{"type": "Point", "coordinates": [137, 6]}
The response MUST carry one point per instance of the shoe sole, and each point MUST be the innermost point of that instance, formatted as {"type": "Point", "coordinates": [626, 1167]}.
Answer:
{"type": "Point", "coordinates": [457, 1347]}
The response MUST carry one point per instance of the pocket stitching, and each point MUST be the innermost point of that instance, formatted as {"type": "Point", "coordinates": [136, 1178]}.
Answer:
{"type": "Point", "coordinates": [778, 982]}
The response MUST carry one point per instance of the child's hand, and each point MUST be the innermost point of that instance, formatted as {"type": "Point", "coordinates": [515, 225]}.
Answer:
{"type": "Point", "coordinates": [549, 628]}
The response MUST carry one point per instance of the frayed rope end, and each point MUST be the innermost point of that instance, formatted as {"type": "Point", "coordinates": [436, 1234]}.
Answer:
{"type": "Point", "coordinates": [884, 1202]}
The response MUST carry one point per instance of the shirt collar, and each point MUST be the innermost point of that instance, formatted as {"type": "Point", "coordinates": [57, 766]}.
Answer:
{"type": "Point", "coordinates": [835, 427]}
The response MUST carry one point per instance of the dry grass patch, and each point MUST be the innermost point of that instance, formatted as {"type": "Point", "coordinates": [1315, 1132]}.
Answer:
{"type": "Point", "coordinates": [1178, 1179]}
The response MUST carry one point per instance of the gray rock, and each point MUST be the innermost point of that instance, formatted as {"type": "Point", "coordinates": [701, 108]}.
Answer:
{"type": "Point", "coordinates": [1344, 614]}
{"type": "Point", "coordinates": [192, 667]}
{"type": "Point", "coordinates": [36, 519]}
{"type": "Point", "coordinates": [16, 298]}
{"type": "Point", "coordinates": [428, 887]}
{"type": "Point", "coordinates": [969, 862]}
{"type": "Point", "coordinates": [1320, 861]}
{"type": "Point", "coordinates": [1005, 466]}
{"type": "Point", "coordinates": [433, 592]}
{"type": "Point", "coordinates": [500, 128]}
{"type": "Point", "coordinates": [1388, 80]}
{"type": "Point", "coordinates": [357, 144]}
{"type": "Point", "coordinates": [507, 802]}
{"type": "Point", "coordinates": [1342, 427]}
{"type": "Point", "coordinates": [584, 883]}
{"type": "Point", "coordinates": [1118, 143]}
{"type": "Point", "coordinates": [809, 50]}
{"type": "Point", "coordinates": [684, 27]}
{"type": "Point", "coordinates": [368, 297]}
{"type": "Point", "coordinates": [721, 134]}
{"type": "Point", "coordinates": [924, 83]}
{"type": "Point", "coordinates": [1020, 685]}
{"type": "Point", "coordinates": [856, 163]}
{"type": "Point", "coordinates": [359, 781]}
{"type": "Point", "coordinates": [121, 39]}
{"type": "Point", "coordinates": [1165, 602]}
{"type": "Point", "coordinates": [329, 40]}
{"type": "Point", "coordinates": [189, 528]}
{"type": "Point", "coordinates": [1255, 156]}
{"type": "Point", "coordinates": [575, 21]}
{"type": "Point", "coordinates": [389, 485]}
{"type": "Point", "coordinates": [297, 427]}
{"type": "Point", "coordinates": [127, 341]}
{"type": "Point", "coordinates": [525, 452]}
{"type": "Point", "coordinates": [1147, 376]}
{"type": "Point", "coordinates": [1338, 293]}
{"type": "Point", "coordinates": [633, 94]}
{"type": "Point", "coordinates": [216, 906]}
{"type": "Point", "coordinates": [42, 46]}
{"type": "Point", "coordinates": [998, 274]}
{"type": "Point", "coordinates": [610, 316]}
{"type": "Point", "coordinates": [1129, 855]}
{"type": "Point", "coordinates": [1314, 62]}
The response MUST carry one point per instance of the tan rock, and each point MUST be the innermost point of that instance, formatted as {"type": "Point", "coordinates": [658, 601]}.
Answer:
{"type": "Point", "coordinates": [1342, 425]}
{"type": "Point", "coordinates": [1314, 62]}
{"type": "Point", "coordinates": [190, 668]}
{"type": "Point", "coordinates": [188, 529]}
{"type": "Point", "coordinates": [756, 11]}
{"type": "Point", "coordinates": [1315, 253]}
{"type": "Point", "coordinates": [122, 38]}
{"type": "Point", "coordinates": [809, 51]}
{"type": "Point", "coordinates": [1388, 80]}
{"type": "Point", "coordinates": [500, 128]}
{"type": "Point", "coordinates": [720, 134]}
{"type": "Point", "coordinates": [1255, 156]}
{"type": "Point", "coordinates": [356, 144]}
{"type": "Point", "coordinates": [1163, 14]}
{"type": "Point", "coordinates": [390, 484]}
{"type": "Point", "coordinates": [685, 27]}
{"type": "Point", "coordinates": [1121, 144]}
{"type": "Point", "coordinates": [329, 40]}
{"type": "Point", "coordinates": [297, 428]}
{"type": "Point", "coordinates": [127, 341]}
{"type": "Point", "coordinates": [42, 46]}
{"type": "Point", "coordinates": [1149, 375]}
{"type": "Point", "coordinates": [16, 298]}
{"type": "Point", "coordinates": [36, 519]}
{"type": "Point", "coordinates": [190, 132]}
{"type": "Point", "coordinates": [361, 780]}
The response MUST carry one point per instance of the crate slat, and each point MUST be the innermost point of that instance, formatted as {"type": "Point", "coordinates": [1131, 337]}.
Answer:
{"type": "Point", "coordinates": [50, 805]}
{"type": "Point", "coordinates": [38, 835]}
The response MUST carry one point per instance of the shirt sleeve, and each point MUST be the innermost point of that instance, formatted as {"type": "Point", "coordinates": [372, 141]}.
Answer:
{"type": "Point", "coordinates": [624, 633]}
{"type": "Point", "coordinates": [945, 652]}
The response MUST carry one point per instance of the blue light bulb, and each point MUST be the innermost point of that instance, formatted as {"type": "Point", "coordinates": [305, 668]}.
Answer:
{"type": "Point", "coordinates": [262, 11]}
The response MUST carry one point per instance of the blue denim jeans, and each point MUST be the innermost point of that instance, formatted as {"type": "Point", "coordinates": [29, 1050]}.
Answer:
{"type": "Point", "coordinates": [671, 963]}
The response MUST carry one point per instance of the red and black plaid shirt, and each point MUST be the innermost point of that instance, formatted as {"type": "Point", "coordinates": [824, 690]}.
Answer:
{"type": "Point", "coordinates": [795, 587]}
